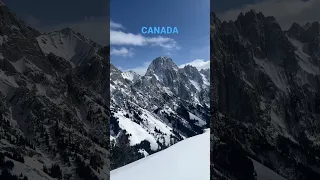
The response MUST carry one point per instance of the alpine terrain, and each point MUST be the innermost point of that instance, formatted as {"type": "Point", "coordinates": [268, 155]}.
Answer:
{"type": "Point", "coordinates": [265, 95]}
{"type": "Point", "coordinates": [54, 96]}
{"type": "Point", "coordinates": [152, 112]}
{"type": "Point", "coordinates": [189, 160]}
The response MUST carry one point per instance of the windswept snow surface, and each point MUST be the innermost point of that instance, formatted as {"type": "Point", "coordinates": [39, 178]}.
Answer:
{"type": "Point", "coordinates": [264, 173]}
{"type": "Point", "coordinates": [187, 160]}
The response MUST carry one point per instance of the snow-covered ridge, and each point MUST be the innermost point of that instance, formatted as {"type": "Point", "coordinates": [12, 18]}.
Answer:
{"type": "Point", "coordinates": [187, 160]}
{"type": "Point", "coordinates": [68, 44]}
{"type": "Point", "coordinates": [130, 75]}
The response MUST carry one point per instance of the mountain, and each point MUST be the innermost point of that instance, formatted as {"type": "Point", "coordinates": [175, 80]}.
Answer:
{"type": "Point", "coordinates": [131, 75]}
{"type": "Point", "coordinates": [265, 98]}
{"type": "Point", "coordinates": [156, 110]}
{"type": "Point", "coordinates": [156, 166]}
{"type": "Point", "coordinates": [54, 107]}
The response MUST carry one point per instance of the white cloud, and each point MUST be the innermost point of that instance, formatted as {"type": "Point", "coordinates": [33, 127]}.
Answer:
{"type": "Point", "coordinates": [122, 38]}
{"type": "Point", "coordinates": [118, 37]}
{"type": "Point", "coordinates": [198, 63]}
{"type": "Point", "coordinates": [140, 69]}
{"type": "Point", "coordinates": [125, 52]}
{"type": "Point", "coordinates": [285, 11]}
{"type": "Point", "coordinates": [114, 25]}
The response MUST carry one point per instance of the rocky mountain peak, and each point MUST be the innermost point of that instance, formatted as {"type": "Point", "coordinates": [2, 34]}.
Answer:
{"type": "Point", "coordinates": [295, 30]}
{"type": "Point", "coordinates": [67, 30]}
{"type": "Point", "coordinates": [306, 33]}
{"type": "Point", "coordinates": [10, 23]}
{"type": "Point", "coordinates": [163, 61]}
{"type": "Point", "coordinates": [205, 72]}
{"type": "Point", "coordinates": [161, 64]}
{"type": "Point", "coordinates": [190, 69]}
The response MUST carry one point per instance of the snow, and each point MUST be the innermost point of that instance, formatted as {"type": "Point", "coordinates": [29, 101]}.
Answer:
{"type": "Point", "coordinates": [7, 83]}
{"type": "Point", "coordinates": [200, 121]}
{"type": "Point", "coordinates": [128, 75]}
{"type": "Point", "coordinates": [245, 79]}
{"type": "Point", "coordinates": [279, 124]}
{"type": "Point", "coordinates": [30, 168]}
{"type": "Point", "coordinates": [69, 46]}
{"type": "Point", "coordinates": [154, 122]}
{"type": "Point", "coordinates": [156, 77]}
{"type": "Point", "coordinates": [304, 62]}
{"type": "Point", "coordinates": [168, 91]}
{"type": "Point", "coordinates": [205, 80]}
{"type": "Point", "coordinates": [20, 65]}
{"type": "Point", "coordinates": [264, 173]}
{"type": "Point", "coordinates": [195, 84]}
{"type": "Point", "coordinates": [144, 152]}
{"type": "Point", "coordinates": [187, 160]}
{"type": "Point", "coordinates": [65, 51]}
{"type": "Point", "coordinates": [275, 73]}
{"type": "Point", "coordinates": [296, 43]}
{"type": "Point", "coordinates": [276, 120]}
{"type": "Point", "coordinates": [137, 132]}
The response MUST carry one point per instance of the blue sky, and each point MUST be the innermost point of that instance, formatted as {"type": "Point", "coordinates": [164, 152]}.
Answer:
{"type": "Point", "coordinates": [48, 13]}
{"type": "Point", "coordinates": [90, 19]}
{"type": "Point", "coordinates": [225, 5]}
{"type": "Point", "coordinates": [132, 50]}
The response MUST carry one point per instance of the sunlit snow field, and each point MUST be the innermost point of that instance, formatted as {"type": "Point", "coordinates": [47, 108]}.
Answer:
{"type": "Point", "coordinates": [186, 160]}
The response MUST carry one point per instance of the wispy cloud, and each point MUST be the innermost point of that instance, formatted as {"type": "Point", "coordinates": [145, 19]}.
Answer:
{"type": "Point", "coordinates": [124, 52]}
{"type": "Point", "coordinates": [122, 38]}
{"type": "Point", "coordinates": [198, 63]}
{"type": "Point", "coordinates": [114, 25]}
{"type": "Point", "coordinates": [119, 37]}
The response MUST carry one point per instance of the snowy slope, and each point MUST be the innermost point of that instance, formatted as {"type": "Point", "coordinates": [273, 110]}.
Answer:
{"type": "Point", "coordinates": [130, 75]}
{"type": "Point", "coordinates": [187, 160]}
{"type": "Point", "coordinates": [52, 115]}
{"type": "Point", "coordinates": [67, 44]}
{"type": "Point", "coordinates": [264, 173]}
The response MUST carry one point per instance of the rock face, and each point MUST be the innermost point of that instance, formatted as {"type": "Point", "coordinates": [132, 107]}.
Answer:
{"type": "Point", "coordinates": [265, 98]}
{"type": "Point", "coordinates": [54, 114]}
{"type": "Point", "coordinates": [156, 110]}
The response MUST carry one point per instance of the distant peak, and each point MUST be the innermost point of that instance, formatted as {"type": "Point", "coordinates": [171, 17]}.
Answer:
{"type": "Point", "coordinates": [295, 28]}
{"type": "Point", "coordinates": [67, 30]}
{"type": "Point", "coordinates": [162, 58]}
{"type": "Point", "coordinates": [251, 15]}
{"type": "Point", "coordinates": [188, 66]}
{"type": "Point", "coordinates": [252, 11]}
{"type": "Point", "coordinates": [163, 61]}
{"type": "Point", "coordinates": [70, 32]}
{"type": "Point", "coordinates": [160, 63]}
{"type": "Point", "coordinates": [131, 71]}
